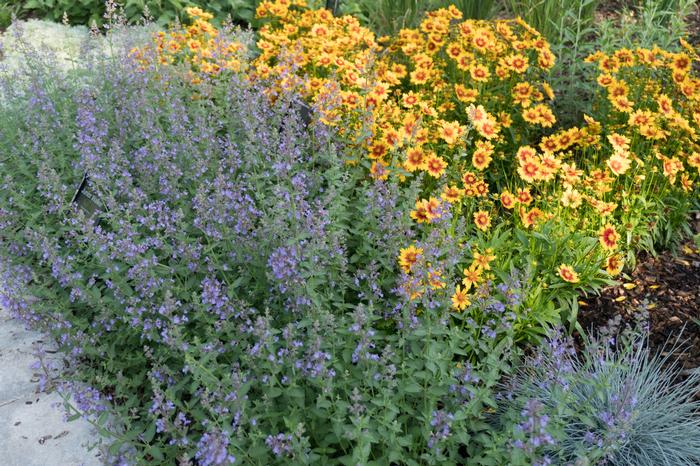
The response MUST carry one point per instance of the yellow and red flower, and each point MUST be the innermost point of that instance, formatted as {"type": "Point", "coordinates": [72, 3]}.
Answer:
{"type": "Point", "coordinates": [608, 237]}
{"type": "Point", "coordinates": [568, 274]}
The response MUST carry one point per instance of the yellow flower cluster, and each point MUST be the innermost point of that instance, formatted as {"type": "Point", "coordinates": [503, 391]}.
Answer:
{"type": "Point", "coordinates": [413, 94]}
{"type": "Point", "coordinates": [465, 105]}
{"type": "Point", "coordinates": [654, 106]}
{"type": "Point", "coordinates": [198, 45]}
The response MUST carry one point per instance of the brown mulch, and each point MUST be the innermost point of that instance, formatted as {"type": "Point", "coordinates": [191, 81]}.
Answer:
{"type": "Point", "coordinates": [668, 286]}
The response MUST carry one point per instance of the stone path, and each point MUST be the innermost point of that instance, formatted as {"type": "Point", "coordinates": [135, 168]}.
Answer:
{"type": "Point", "coordinates": [32, 429]}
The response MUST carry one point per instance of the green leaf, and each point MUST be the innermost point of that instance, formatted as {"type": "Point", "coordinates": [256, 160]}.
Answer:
{"type": "Point", "coordinates": [149, 433]}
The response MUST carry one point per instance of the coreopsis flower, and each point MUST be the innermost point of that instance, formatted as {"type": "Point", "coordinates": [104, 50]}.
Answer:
{"type": "Point", "coordinates": [487, 128]}
{"type": "Point", "coordinates": [522, 94]}
{"type": "Point", "coordinates": [549, 166]}
{"type": "Point", "coordinates": [665, 105]}
{"type": "Point", "coordinates": [622, 103]}
{"type": "Point", "coordinates": [608, 237]}
{"type": "Point", "coordinates": [377, 150]}
{"type": "Point", "coordinates": [604, 208]}
{"type": "Point", "coordinates": [469, 179]}
{"type": "Point", "coordinates": [517, 62]}
{"type": "Point", "coordinates": [570, 174]}
{"type": "Point", "coordinates": [507, 200]}
{"type": "Point", "coordinates": [571, 198]}
{"type": "Point", "coordinates": [479, 72]}
{"type": "Point", "coordinates": [618, 163]}
{"type": "Point", "coordinates": [472, 276]}
{"type": "Point", "coordinates": [196, 12]}
{"type": "Point", "coordinates": [420, 213]}
{"type": "Point", "coordinates": [568, 274]}
{"type": "Point", "coordinates": [420, 76]}
{"type": "Point", "coordinates": [531, 217]}
{"type": "Point", "coordinates": [435, 280]}
{"type": "Point", "coordinates": [484, 260]}
{"type": "Point", "coordinates": [671, 167]}
{"type": "Point", "coordinates": [694, 160]}
{"type": "Point", "coordinates": [642, 118]}
{"type": "Point", "coordinates": [482, 39]}
{"type": "Point", "coordinates": [546, 117]}
{"type": "Point", "coordinates": [450, 132]}
{"type": "Point", "coordinates": [481, 158]}
{"type": "Point", "coordinates": [481, 189]}
{"type": "Point", "coordinates": [525, 153]}
{"type": "Point", "coordinates": [619, 142]}
{"type": "Point", "coordinates": [460, 299]}
{"type": "Point", "coordinates": [546, 59]}
{"type": "Point", "coordinates": [482, 220]}
{"type": "Point", "coordinates": [432, 206]}
{"type": "Point", "coordinates": [681, 63]}
{"type": "Point", "coordinates": [524, 196]}
{"type": "Point", "coordinates": [464, 94]}
{"type": "Point", "coordinates": [686, 183]}
{"type": "Point", "coordinates": [605, 80]}
{"type": "Point", "coordinates": [609, 64]}
{"type": "Point", "coordinates": [477, 114]}
{"type": "Point", "coordinates": [435, 166]}
{"type": "Point", "coordinates": [410, 99]}
{"type": "Point", "coordinates": [529, 170]}
{"type": "Point", "coordinates": [549, 144]}
{"type": "Point", "coordinates": [415, 159]}
{"type": "Point", "coordinates": [531, 115]}
{"type": "Point", "coordinates": [613, 265]}
{"type": "Point", "coordinates": [408, 256]}
{"type": "Point", "coordinates": [451, 194]}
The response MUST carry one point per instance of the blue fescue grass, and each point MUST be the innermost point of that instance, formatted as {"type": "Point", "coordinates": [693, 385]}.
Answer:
{"type": "Point", "coordinates": [611, 403]}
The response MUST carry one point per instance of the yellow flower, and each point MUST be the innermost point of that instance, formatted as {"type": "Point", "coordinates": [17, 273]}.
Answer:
{"type": "Point", "coordinates": [608, 237]}
{"type": "Point", "coordinates": [613, 265]}
{"type": "Point", "coordinates": [482, 220]}
{"type": "Point", "coordinates": [571, 198]}
{"type": "Point", "coordinates": [618, 163]}
{"type": "Point", "coordinates": [435, 166]}
{"type": "Point", "coordinates": [415, 159]}
{"type": "Point", "coordinates": [452, 194]}
{"type": "Point", "coordinates": [408, 256]}
{"type": "Point", "coordinates": [472, 276]}
{"type": "Point", "coordinates": [460, 299]}
{"type": "Point", "coordinates": [450, 132]}
{"type": "Point", "coordinates": [483, 260]}
{"type": "Point", "coordinates": [568, 274]}
{"type": "Point", "coordinates": [479, 72]}
{"type": "Point", "coordinates": [507, 200]}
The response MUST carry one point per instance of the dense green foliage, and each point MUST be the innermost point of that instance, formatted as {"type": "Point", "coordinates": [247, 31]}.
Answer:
{"type": "Point", "coordinates": [134, 11]}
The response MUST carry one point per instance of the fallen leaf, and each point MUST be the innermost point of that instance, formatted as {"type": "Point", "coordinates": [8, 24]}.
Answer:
{"type": "Point", "coordinates": [619, 299]}
{"type": "Point", "coordinates": [629, 286]}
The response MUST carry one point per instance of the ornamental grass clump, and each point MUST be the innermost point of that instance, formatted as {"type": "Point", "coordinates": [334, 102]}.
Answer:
{"type": "Point", "coordinates": [613, 403]}
{"type": "Point", "coordinates": [224, 285]}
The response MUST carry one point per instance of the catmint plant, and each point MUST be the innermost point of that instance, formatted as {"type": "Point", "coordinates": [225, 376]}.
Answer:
{"type": "Point", "coordinates": [232, 294]}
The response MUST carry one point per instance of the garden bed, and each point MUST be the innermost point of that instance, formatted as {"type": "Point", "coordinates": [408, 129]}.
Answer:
{"type": "Point", "coordinates": [666, 288]}
{"type": "Point", "coordinates": [383, 277]}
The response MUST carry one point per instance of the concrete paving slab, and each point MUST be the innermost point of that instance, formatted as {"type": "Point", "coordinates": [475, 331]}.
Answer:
{"type": "Point", "coordinates": [32, 429]}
